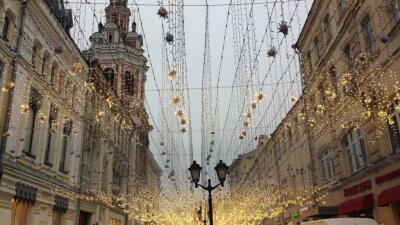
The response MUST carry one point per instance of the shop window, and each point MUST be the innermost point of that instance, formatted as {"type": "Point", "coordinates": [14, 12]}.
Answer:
{"type": "Point", "coordinates": [57, 217]}
{"type": "Point", "coordinates": [369, 35]}
{"type": "Point", "coordinates": [31, 124]}
{"type": "Point", "coordinates": [129, 83]}
{"type": "Point", "coordinates": [114, 221]}
{"type": "Point", "coordinates": [51, 138]}
{"type": "Point", "coordinates": [327, 165]}
{"type": "Point", "coordinates": [356, 150]}
{"type": "Point", "coordinates": [20, 210]}
{"type": "Point", "coordinates": [394, 126]}
{"type": "Point", "coordinates": [64, 157]}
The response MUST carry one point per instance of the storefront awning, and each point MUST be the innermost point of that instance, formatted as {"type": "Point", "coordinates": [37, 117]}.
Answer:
{"type": "Point", "coordinates": [363, 203]}
{"type": "Point", "coordinates": [319, 212]}
{"type": "Point", "coordinates": [389, 196]}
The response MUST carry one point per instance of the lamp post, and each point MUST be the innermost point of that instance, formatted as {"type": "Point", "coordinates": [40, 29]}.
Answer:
{"type": "Point", "coordinates": [221, 169]}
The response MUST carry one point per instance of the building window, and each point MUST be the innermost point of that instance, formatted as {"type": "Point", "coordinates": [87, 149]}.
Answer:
{"type": "Point", "coordinates": [57, 217]}
{"type": "Point", "coordinates": [8, 25]}
{"type": "Point", "coordinates": [368, 32]}
{"type": "Point", "coordinates": [333, 78]}
{"type": "Point", "coordinates": [348, 52]}
{"type": "Point", "coordinates": [64, 159]}
{"type": "Point", "coordinates": [53, 74]}
{"type": "Point", "coordinates": [20, 210]}
{"type": "Point", "coordinates": [342, 5]}
{"type": "Point", "coordinates": [86, 168]}
{"type": "Point", "coordinates": [309, 63]}
{"type": "Point", "coordinates": [109, 75]}
{"type": "Point", "coordinates": [327, 28]}
{"type": "Point", "coordinates": [116, 176]}
{"type": "Point", "coordinates": [356, 150]}
{"type": "Point", "coordinates": [45, 64]}
{"type": "Point", "coordinates": [115, 221]}
{"type": "Point", "coordinates": [50, 142]}
{"type": "Point", "coordinates": [129, 83]}
{"type": "Point", "coordinates": [1, 69]}
{"type": "Point", "coordinates": [35, 102]}
{"type": "Point", "coordinates": [394, 126]}
{"type": "Point", "coordinates": [396, 9]}
{"type": "Point", "coordinates": [327, 165]}
{"type": "Point", "coordinates": [317, 49]}
{"type": "Point", "coordinates": [36, 55]}
{"type": "Point", "coordinates": [110, 38]}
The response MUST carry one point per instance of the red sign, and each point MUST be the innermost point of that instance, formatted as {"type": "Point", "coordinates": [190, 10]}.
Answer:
{"type": "Point", "coordinates": [366, 185]}
{"type": "Point", "coordinates": [389, 176]}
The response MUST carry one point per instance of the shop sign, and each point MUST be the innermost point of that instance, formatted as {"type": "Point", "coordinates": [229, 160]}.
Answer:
{"type": "Point", "coordinates": [361, 187]}
{"type": "Point", "coordinates": [387, 177]}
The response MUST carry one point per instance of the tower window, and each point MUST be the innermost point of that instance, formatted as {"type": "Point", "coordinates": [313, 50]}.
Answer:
{"type": "Point", "coordinates": [129, 83]}
{"type": "Point", "coordinates": [109, 75]}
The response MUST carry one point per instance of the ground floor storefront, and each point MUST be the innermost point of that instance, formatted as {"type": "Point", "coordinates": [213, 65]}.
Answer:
{"type": "Point", "coordinates": [373, 193]}
{"type": "Point", "coordinates": [28, 200]}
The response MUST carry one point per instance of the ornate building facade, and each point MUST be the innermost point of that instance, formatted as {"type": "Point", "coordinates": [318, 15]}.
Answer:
{"type": "Point", "coordinates": [336, 153]}
{"type": "Point", "coordinates": [74, 131]}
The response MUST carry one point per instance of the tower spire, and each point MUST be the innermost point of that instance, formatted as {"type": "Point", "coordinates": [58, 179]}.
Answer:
{"type": "Point", "coordinates": [118, 3]}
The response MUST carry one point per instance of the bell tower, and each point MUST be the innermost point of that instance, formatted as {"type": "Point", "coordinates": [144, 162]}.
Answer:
{"type": "Point", "coordinates": [119, 52]}
{"type": "Point", "coordinates": [118, 12]}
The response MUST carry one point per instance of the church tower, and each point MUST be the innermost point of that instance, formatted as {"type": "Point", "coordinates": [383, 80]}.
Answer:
{"type": "Point", "coordinates": [117, 47]}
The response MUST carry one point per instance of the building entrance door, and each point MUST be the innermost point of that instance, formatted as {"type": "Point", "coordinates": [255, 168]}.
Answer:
{"type": "Point", "coordinates": [84, 218]}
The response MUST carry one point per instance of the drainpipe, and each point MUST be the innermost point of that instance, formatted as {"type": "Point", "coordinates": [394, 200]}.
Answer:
{"type": "Point", "coordinates": [10, 93]}
{"type": "Point", "coordinates": [311, 166]}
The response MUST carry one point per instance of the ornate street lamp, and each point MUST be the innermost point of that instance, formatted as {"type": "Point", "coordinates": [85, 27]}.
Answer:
{"type": "Point", "coordinates": [221, 170]}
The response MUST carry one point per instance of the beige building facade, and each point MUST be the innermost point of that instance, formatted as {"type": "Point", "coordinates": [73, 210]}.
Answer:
{"type": "Point", "coordinates": [73, 142]}
{"type": "Point", "coordinates": [335, 154]}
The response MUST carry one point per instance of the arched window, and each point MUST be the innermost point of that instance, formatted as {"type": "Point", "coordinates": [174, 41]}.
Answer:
{"type": "Point", "coordinates": [36, 54]}
{"type": "Point", "coordinates": [54, 74]}
{"type": "Point", "coordinates": [109, 75]}
{"type": "Point", "coordinates": [136, 83]}
{"type": "Point", "coordinates": [45, 63]}
{"type": "Point", "coordinates": [61, 78]}
{"type": "Point", "coordinates": [8, 26]}
{"type": "Point", "coordinates": [129, 83]}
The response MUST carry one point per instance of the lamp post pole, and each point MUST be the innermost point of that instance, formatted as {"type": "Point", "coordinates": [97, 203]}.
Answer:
{"type": "Point", "coordinates": [221, 169]}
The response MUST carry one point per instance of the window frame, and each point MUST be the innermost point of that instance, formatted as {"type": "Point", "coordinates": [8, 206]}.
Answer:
{"type": "Point", "coordinates": [34, 104]}
{"type": "Point", "coordinates": [65, 141]}
{"type": "Point", "coordinates": [368, 33]}
{"type": "Point", "coordinates": [356, 145]}
{"type": "Point", "coordinates": [327, 165]}
{"type": "Point", "coordinates": [395, 116]}
{"type": "Point", "coordinates": [129, 83]}
{"type": "Point", "coordinates": [50, 141]}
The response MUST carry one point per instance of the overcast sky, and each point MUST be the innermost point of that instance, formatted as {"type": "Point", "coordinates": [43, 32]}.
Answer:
{"type": "Point", "coordinates": [194, 29]}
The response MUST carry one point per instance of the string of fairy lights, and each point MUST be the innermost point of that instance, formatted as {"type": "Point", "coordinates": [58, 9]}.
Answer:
{"type": "Point", "coordinates": [260, 98]}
